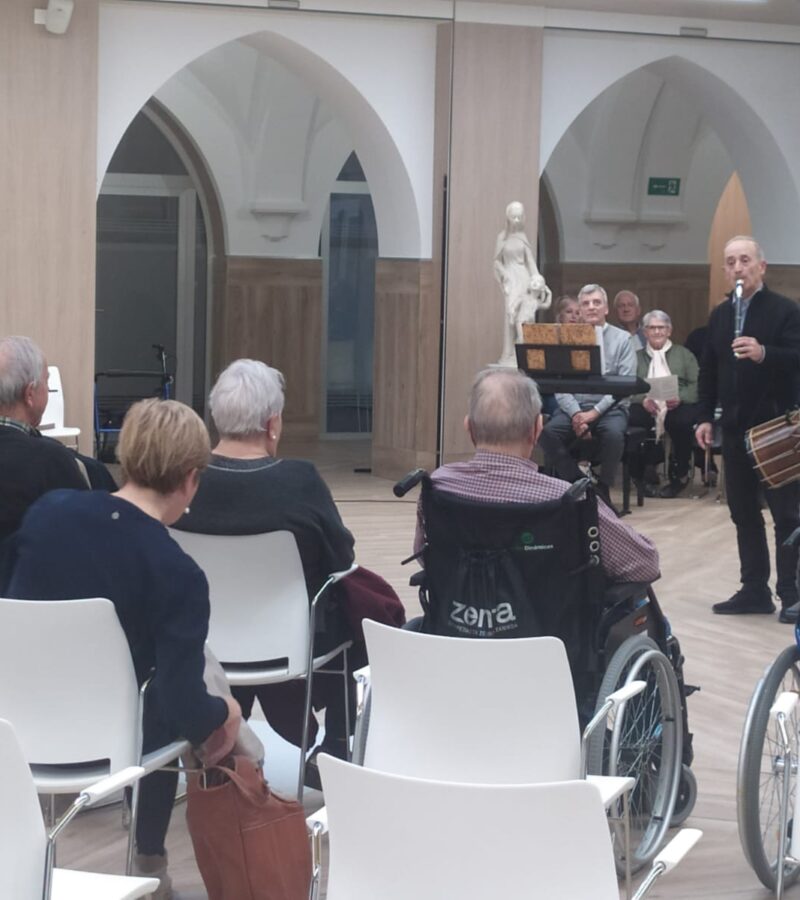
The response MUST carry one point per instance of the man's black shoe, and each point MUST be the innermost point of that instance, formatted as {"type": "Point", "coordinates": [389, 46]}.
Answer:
{"type": "Point", "coordinates": [674, 488]}
{"type": "Point", "coordinates": [789, 614]}
{"type": "Point", "coordinates": [745, 602]}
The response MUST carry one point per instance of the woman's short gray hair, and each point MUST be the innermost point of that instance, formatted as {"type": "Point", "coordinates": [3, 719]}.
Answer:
{"type": "Point", "coordinates": [656, 314]}
{"type": "Point", "coordinates": [246, 394]}
{"type": "Point", "coordinates": [21, 364]}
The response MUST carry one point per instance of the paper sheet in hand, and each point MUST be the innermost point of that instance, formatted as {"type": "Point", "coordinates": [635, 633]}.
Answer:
{"type": "Point", "coordinates": [664, 387]}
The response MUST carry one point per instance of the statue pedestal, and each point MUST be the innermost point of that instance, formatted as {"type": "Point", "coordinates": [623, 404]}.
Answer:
{"type": "Point", "coordinates": [504, 363]}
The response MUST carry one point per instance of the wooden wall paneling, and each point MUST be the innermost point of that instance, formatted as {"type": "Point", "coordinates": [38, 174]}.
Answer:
{"type": "Point", "coordinates": [48, 94]}
{"type": "Point", "coordinates": [680, 290]}
{"type": "Point", "coordinates": [406, 358]}
{"type": "Point", "coordinates": [272, 310]}
{"type": "Point", "coordinates": [428, 362]}
{"type": "Point", "coordinates": [494, 160]}
{"type": "Point", "coordinates": [731, 218]}
{"type": "Point", "coordinates": [784, 279]}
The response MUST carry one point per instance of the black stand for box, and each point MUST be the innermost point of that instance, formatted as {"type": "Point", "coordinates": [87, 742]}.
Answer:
{"type": "Point", "coordinates": [618, 386]}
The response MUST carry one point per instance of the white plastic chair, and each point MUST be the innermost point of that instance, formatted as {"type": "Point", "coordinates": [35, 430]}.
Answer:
{"type": "Point", "coordinates": [68, 684]}
{"type": "Point", "coordinates": [396, 837]}
{"type": "Point", "coordinates": [260, 628]}
{"type": "Point", "coordinates": [476, 711]}
{"type": "Point", "coordinates": [52, 423]}
{"type": "Point", "coordinates": [492, 712]}
{"type": "Point", "coordinates": [27, 852]}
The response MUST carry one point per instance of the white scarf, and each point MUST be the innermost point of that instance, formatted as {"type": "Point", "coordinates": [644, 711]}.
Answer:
{"type": "Point", "coordinates": [659, 367]}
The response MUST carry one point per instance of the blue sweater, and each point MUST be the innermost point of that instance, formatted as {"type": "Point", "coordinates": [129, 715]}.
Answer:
{"type": "Point", "coordinates": [75, 544]}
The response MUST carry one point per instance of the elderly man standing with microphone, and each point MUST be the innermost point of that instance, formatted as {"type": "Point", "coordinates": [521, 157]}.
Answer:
{"type": "Point", "coordinates": [751, 368]}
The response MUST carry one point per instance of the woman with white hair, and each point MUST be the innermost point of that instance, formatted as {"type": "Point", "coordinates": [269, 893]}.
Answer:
{"type": "Point", "coordinates": [247, 489]}
{"type": "Point", "coordinates": [677, 417]}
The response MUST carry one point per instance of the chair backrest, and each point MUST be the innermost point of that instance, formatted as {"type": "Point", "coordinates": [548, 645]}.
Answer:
{"type": "Point", "coordinates": [395, 837]}
{"type": "Point", "coordinates": [507, 570]}
{"type": "Point", "coordinates": [67, 681]}
{"type": "Point", "coordinates": [54, 411]}
{"type": "Point", "coordinates": [453, 709]}
{"type": "Point", "coordinates": [22, 836]}
{"type": "Point", "coordinates": [259, 601]}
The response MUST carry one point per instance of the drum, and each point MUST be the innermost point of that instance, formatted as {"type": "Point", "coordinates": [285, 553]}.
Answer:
{"type": "Point", "coordinates": [774, 449]}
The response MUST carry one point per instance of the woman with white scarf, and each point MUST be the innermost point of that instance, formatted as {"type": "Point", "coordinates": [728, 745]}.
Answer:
{"type": "Point", "coordinates": [661, 357]}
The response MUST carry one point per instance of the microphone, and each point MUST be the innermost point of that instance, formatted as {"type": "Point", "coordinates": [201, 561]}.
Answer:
{"type": "Point", "coordinates": [738, 312]}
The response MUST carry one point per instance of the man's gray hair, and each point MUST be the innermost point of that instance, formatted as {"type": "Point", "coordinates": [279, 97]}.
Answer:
{"type": "Point", "coordinates": [245, 395]}
{"type": "Point", "coordinates": [21, 364]}
{"type": "Point", "coordinates": [503, 407]}
{"type": "Point", "coordinates": [591, 289]}
{"type": "Point", "coordinates": [656, 314]}
{"type": "Point", "coordinates": [627, 293]}
{"type": "Point", "coordinates": [751, 240]}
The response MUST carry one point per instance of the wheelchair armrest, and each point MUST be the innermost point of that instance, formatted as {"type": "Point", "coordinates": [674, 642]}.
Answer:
{"type": "Point", "coordinates": [624, 590]}
{"type": "Point", "coordinates": [418, 579]}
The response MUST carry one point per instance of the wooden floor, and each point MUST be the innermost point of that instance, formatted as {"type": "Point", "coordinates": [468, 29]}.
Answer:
{"type": "Point", "coordinates": [724, 655]}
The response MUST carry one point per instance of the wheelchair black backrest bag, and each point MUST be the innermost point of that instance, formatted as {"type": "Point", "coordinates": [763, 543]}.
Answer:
{"type": "Point", "coordinates": [507, 570]}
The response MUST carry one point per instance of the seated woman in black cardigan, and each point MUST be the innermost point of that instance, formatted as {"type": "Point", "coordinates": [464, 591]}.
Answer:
{"type": "Point", "coordinates": [248, 490]}
{"type": "Point", "coordinates": [74, 544]}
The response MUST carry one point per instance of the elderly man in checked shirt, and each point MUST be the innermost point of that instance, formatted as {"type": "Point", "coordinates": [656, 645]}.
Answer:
{"type": "Point", "coordinates": [504, 423]}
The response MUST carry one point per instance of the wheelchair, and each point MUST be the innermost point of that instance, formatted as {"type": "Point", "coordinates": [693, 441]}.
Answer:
{"type": "Point", "coordinates": [506, 570]}
{"type": "Point", "coordinates": [767, 774]}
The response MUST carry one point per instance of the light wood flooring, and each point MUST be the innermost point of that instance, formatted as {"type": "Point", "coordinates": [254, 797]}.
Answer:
{"type": "Point", "coordinates": [724, 655]}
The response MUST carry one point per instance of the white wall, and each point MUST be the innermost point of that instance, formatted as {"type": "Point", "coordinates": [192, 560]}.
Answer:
{"type": "Point", "coordinates": [640, 126]}
{"type": "Point", "coordinates": [272, 146]}
{"type": "Point", "coordinates": [376, 76]}
{"type": "Point", "coordinates": [742, 92]}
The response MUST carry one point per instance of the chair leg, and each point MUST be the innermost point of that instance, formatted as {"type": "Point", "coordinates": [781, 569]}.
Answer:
{"type": "Point", "coordinates": [304, 739]}
{"type": "Point", "coordinates": [626, 487]}
{"type": "Point", "coordinates": [50, 811]}
{"type": "Point", "coordinates": [626, 812]}
{"type": "Point", "coordinates": [132, 830]}
{"type": "Point", "coordinates": [345, 673]}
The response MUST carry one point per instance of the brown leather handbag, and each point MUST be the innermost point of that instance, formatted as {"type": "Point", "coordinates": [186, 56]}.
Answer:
{"type": "Point", "coordinates": [250, 844]}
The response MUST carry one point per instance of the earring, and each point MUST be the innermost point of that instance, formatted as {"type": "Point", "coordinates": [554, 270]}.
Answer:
{"type": "Point", "coordinates": [187, 511]}
{"type": "Point", "coordinates": [272, 437]}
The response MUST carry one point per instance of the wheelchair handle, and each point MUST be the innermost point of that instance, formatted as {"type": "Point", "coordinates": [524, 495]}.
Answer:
{"type": "Point", "coordinates": [407, 482]}
{"type": "Point", "coordinates": [578, 489]}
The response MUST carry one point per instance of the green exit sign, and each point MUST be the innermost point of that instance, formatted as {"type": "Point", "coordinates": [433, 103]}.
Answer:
{"type": "Point", "coordinates": [663, 187]}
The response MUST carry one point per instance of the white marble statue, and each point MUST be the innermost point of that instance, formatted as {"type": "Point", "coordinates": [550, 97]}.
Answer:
{"type": "Point", "coordinates": [524, 289]}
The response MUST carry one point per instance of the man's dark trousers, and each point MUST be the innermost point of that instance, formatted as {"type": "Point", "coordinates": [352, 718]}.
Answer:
{"type": "Point", "coordinates": [742, 488]}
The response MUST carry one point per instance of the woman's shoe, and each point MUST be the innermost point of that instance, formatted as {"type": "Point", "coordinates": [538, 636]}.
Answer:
{"type": "Point", "coordinates": [154, 865]}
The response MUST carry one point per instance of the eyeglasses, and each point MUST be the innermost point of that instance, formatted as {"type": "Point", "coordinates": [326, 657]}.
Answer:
{"type": "Point", "coordinates": [657, 328]}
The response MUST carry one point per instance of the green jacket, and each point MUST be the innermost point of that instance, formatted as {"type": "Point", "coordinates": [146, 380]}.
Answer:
{"type": "Point", "coordinates": [682, 363]}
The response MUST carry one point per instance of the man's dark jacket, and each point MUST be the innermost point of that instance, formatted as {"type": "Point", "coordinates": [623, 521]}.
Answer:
{"type": "Point", "coordinates": [749, 392]}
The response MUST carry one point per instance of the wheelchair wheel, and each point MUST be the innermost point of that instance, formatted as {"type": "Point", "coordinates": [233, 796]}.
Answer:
{"type": "Point", "coordinates": [686, 799]}
{"type": "Point", "coordinates": [642, 741]}
{"type": "Point", "coordinates": [759, 784]}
